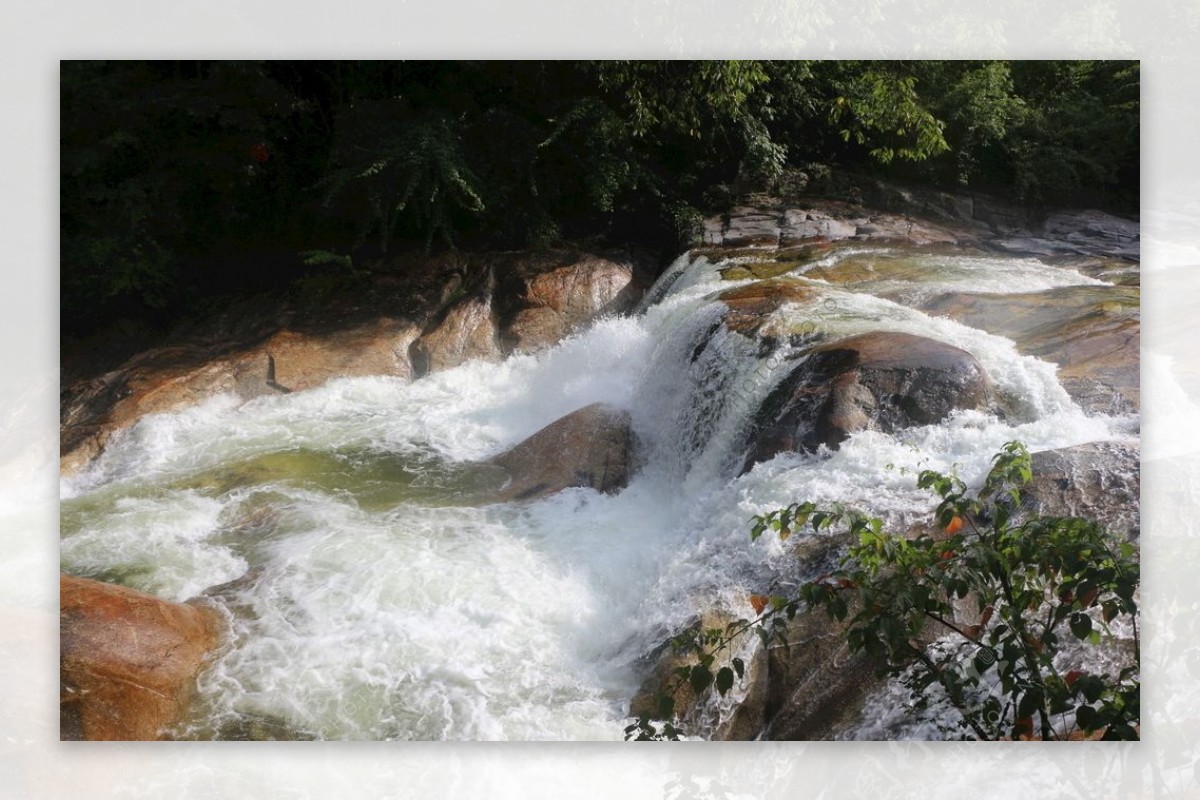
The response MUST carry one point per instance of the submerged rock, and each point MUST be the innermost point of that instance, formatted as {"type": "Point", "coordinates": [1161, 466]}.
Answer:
{"type": "Point", "coordinates": [884, 381]}
{"type": "Point", "coordinates": [590, 447]}
{"type": "Point", "coordinates": [128, 661]}
{"type": "Point", "coordinates": [752, 305]}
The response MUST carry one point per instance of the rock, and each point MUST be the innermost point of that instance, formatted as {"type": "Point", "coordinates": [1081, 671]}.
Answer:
{"type": "Point", "coordinates": [751, 306]}
{"type": "Point", "coordinates": [1036, 246]}
{"type": "Point", "coordinates": [546, 297]}
{"type": "Point", "coordinates": [128, 661]}
{"type": "Point", "coordinates": [590, 447]}
{"type": "Point", "coordinates": [465, 331]}
{"type": "Point", "coordinates": [1095, 232]}
{"type": "Point", "coordinates": [883, 381]}
{"type": "Point", "coordinates": [169, 379]}
{"type": "Point", "coordinates": [1091, 332]}
{"type": "Point", "coordinates": [453, 309]}
{"type": "Point", "coordinates": [751, 226]}
{"type": "Point", "coordinates": [777, 227]}
{"type": "Point", "coordinates": [1099, 481]}
{"type": "Point", "coordinates": [816, 685]}
{"type": "Point", "coordinates": [743, 719]}
{"type": "Point", "coordinates": [804, 224]}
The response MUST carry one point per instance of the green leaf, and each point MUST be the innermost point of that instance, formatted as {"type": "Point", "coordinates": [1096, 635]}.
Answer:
{"type": "Point", "coordinates": [739, 666]}
{"type": "Point", "coordinates": [1030, 702]}
{"type": "Point", "coordinates": [1081, 625]}
{"type": "Point", "coordinates": [1087, 718]}
{"type": "Point", "coordinates": [700, 678]}
{"type": "Point", "coordinates": [724, 680]}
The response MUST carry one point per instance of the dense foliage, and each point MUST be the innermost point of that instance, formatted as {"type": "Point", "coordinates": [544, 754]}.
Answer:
{"type": "Point", "coordinates": [186, 180]}
{"type": "Point", "coordinates": [1031, 584]}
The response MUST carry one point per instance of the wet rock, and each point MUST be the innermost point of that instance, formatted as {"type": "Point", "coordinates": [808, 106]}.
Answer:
{"type": "Point", "coordinates": [883, 381]}
{"type": "Point", "coordinates": [590, 447]}
{"type": "Point", "coordinates": [128, 661]}
{"type": "Point", "coordinates": [546, 297]}
{"type": "Point", "coordinates": [169, 379]}
{"type": "Point", "coordinates": [751, 306]}
{"type": "Point", "coordinates": [466, 331]}
{"type": "Point", "coordinates": [1099, 481]}
{"type": "Point", "coordinates": [1091, 332]}
{"type": "Point", "coordinates": [454, 309]}
{"type": "Point", "coordinates": [816, 684]}
{"type": "Point", "coordinates": [742, 716]}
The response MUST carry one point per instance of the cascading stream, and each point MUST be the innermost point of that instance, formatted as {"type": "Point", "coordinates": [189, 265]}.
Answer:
{"type": "Point", "coordinates": [376, 594]}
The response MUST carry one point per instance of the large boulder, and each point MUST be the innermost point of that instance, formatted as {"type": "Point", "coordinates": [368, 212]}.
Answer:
{"type": "Point", "coordinates": [128, 661]}
{"type": "Point", "coordinates": [546, 297]}
{"type": "Point", "coordinates": [467, 330]}
{"type": "Point", "coordinates": [884, 381]}
{"type": "Point", "coordinates": [590, 447]}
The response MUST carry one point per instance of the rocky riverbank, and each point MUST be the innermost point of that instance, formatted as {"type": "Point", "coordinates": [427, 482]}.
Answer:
{"type": "Point", "coordinates": [491, 306]}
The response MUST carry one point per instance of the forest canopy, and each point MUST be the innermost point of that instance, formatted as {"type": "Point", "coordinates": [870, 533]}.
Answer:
{"type": "Point", "coordinates": [186, 180]}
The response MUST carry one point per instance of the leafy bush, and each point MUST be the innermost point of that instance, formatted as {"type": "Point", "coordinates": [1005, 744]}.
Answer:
{"type": "Point", "coordinates": [1038, 582]}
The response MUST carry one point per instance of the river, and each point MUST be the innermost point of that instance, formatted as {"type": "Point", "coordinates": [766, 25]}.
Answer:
{"type": "Point", "coordinates": [377, 592]}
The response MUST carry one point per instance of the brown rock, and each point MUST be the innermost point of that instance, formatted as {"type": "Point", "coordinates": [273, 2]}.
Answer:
{"type": "Point", "coordinates": [751, 305]}
{"type": "Point", "coordinates": [744, 721]}
{"type": "Point", "coordinates": [169, 379]}
{"type": "Point", "coordinates": [550, 296]}
{"type": "Point", "coordinates": [816, 685]}
{"type": "Point", "coordinates": [884, 381]}
{"type": "Point", "coordinates": [128, 661]}
{"type": "Point", "coordinates": [1093, 333]}
{"type": "Point", "coordinates": [590, 447]}
{"type": "Point", "coordinates": [466, 331]}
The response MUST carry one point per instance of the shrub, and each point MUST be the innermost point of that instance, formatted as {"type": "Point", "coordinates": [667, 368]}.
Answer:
{"type": "Point", "coordinates": [1038, 582]}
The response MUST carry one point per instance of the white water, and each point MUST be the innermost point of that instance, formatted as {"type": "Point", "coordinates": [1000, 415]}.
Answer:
{"type": "Point", "coordinates": [390, 603]}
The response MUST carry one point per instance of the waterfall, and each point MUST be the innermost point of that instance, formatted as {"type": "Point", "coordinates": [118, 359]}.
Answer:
{"type": "Point", "coordinates": [373, 592]}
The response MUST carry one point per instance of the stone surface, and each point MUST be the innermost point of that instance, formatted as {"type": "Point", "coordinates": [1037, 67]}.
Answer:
{"type": "Point", "coordinates": [466, 331]}
{"type": "Point", "coordinates": [751, 226]}
{"type": "Point", "coordinates": [128, 661]}
{"type": "Point", "coordinates": [883, 380]}
{"type": "Point", "coordinates": [832, 221]}
{"type": "Point", "coordinates": [169, 379]}
{"type": "Point", "coordinates": [1095, 232]}
{"type": "Point", "coordinates": [742, 717]}
{"type": "Point", "coordinates": [590, 447]}
{"type": "Point", "coordinates": [816, 685]}
{"type": "Point", "coordinates": [546, 297]}
{"type": "Point", "coordinates": [1093, 333]}
{"type": "Point", "coordinates": [1100, 481]}
{"type": "Point", "coordinates": [751, 305]}
{"type": "Point", "coordinates": [453, 308]}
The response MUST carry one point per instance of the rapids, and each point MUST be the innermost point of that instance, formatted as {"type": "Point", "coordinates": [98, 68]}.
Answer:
{"type": "Point", "coordinates": [375, 593]}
